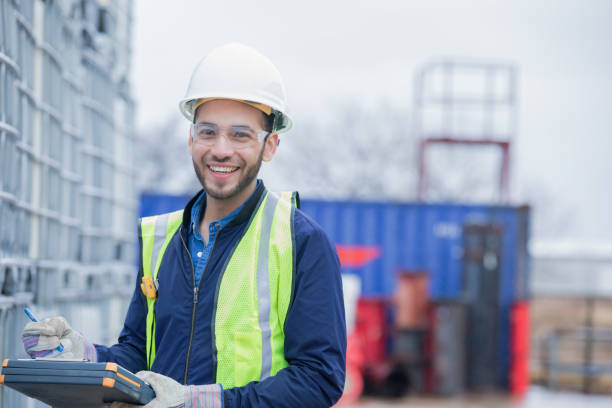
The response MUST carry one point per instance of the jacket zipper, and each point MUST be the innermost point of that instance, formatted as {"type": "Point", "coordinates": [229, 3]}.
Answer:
{"type": "Point", "coordinates": [196, 289]}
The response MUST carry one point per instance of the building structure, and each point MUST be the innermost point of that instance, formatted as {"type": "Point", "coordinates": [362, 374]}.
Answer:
{"type": "Point", "coordinates": [68, 205]}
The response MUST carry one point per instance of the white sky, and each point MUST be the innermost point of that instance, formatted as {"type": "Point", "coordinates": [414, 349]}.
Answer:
{"type": "Point", "coordinates": [330, 51]}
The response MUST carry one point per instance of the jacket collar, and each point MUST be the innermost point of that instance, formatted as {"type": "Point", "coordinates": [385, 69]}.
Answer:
{"type": "Point", "coordinates": [244, 214]}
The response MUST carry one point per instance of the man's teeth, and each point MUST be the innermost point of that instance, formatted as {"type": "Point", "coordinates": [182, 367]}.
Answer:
{"type": "Point", "coordinates": [223, 169]}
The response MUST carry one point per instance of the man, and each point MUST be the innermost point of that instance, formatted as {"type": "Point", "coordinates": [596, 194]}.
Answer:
{"type": "Point", "coordinates": [239, 299]}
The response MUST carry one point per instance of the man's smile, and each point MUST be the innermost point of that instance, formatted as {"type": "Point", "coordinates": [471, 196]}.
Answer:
{"type": "Point", "coordinates": [222, 169]}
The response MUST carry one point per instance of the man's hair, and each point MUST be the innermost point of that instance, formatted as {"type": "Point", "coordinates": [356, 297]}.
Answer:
{"type": "Point", "coordinates": [268, 122]}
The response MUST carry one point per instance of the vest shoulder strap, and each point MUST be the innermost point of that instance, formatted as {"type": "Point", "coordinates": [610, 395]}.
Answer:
{"type": "Point", "coordinates": [155, 233]}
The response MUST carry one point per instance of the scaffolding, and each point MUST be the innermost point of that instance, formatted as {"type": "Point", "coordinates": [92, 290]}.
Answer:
{"type": "Point", "coordinates": [465, 103]}
{"type": "Point", "coordinates": [68, 206]}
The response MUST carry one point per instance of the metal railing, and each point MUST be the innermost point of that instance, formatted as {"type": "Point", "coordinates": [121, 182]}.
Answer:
{"type": "Point", "coordinates": [571, 352]}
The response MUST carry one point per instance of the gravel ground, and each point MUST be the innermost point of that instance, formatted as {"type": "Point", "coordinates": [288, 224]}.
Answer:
{"type": "Point", "coordinates": [537, 397]}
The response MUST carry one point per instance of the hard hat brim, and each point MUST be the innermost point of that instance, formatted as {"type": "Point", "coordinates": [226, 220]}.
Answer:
{"type": "Point", "coordinates": [283, 121]}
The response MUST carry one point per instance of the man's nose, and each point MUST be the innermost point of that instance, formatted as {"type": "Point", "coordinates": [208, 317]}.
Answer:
{"type": "Point", "coordinates": [222, 147]}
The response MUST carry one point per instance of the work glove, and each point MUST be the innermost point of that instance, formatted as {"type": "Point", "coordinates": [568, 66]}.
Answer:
{"type": "Point", "coordinates": [40, 339]}
{"type": "Point", "coordinates": [170, 394]}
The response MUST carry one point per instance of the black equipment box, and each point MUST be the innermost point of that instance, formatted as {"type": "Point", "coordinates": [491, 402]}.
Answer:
{"type": "Point", "coordinates": [70, 384]}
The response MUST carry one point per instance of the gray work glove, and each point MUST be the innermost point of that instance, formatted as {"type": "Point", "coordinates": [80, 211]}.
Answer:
{"type": "Point", "coordinates": [41, 339]}
{"type": "Point", "coordinates": [171, 394]}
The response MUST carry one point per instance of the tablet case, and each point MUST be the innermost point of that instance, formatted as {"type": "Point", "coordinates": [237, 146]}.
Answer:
{"type": "Point", "coordinates": [69, 384]}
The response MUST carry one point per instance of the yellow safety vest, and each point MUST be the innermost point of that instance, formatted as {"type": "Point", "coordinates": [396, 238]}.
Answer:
{"type": "Point", "coordinates": [254, 294]}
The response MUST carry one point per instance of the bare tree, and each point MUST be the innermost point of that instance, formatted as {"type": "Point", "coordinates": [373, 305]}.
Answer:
{"type": "Point", "coordinates": [162, 160]}
{"type": "Point", "coordinates": [358, 153]}
{"type": "Point", "coordinates": [552, 217]}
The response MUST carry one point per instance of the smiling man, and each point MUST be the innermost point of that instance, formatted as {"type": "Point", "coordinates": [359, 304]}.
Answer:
{"type": "Point", "coordinates": [227, 155]}
{"type": "Point", "coordinates": [238, 301]}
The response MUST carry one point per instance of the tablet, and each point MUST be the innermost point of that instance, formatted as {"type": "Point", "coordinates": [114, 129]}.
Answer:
{"type": "Point", "coordinates": [69, 384]}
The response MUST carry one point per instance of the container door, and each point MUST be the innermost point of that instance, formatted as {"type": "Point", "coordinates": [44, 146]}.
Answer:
{"type": "Point", "coordinates": [481, 277]}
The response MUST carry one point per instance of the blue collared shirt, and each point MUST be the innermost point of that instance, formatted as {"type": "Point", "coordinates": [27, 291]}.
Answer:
{"type": "Point", "coordinates": [199, 250]}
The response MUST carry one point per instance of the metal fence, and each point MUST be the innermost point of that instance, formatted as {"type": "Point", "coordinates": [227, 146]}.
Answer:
{"type": "Point", "coordinates": [579, 359]}
{"type": "Point", "coordinates": [67, 201]}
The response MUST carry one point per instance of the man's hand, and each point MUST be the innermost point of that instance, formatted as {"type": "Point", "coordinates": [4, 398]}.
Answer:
{"type": "Point", "coordinates": [40, 339]}
{"type": "Point", "coordinates": [171, 394]}
{"type": "Point", "coordinates": [168, 393]}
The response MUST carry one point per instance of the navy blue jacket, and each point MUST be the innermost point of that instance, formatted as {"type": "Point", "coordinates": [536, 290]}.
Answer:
{"type": "Point", "coordinates": [315, 329]}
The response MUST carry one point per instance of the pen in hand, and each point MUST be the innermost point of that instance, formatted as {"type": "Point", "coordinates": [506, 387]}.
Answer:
{"type": "Point", "coordinates": [34, 319]}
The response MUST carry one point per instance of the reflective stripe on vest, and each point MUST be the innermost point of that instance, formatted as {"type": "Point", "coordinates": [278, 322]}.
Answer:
{"type": "Point", "coordinates": [155, 233]}
{"type": "Point", "coordinates": [252, 297]}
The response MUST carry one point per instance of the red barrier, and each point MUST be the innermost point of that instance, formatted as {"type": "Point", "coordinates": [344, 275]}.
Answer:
{"type": "Point", "coordinates": [371, 328]}
{"type": "Point", "coordinates": [519, 349]}
{"type": "Point", "coordinates": [353, 385]}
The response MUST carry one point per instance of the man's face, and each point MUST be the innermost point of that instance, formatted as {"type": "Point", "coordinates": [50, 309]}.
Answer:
{"type": "Point", "coordinates": [227, 171]}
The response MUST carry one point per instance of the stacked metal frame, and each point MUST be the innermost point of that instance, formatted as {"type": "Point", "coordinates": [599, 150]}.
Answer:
{"type": "Point", "coordinates": [67, 201]}
{"type": "Point", "coordinates": [17, 271]}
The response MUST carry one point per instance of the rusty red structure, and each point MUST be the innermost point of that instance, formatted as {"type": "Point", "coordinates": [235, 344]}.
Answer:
{"type": "Point", "coordinates": [465, 103]}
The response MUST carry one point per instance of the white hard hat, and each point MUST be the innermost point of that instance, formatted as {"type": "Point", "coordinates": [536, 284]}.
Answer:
{"type": "Point", "coordinates": [235, 71]}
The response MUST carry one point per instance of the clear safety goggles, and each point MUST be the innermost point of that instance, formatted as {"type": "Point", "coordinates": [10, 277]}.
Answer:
{"type": "Point", "coordinates": [208, 134]}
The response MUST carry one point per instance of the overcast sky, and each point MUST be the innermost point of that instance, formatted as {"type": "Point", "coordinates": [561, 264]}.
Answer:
{"type": "Point", "coordinates": [332, 51]}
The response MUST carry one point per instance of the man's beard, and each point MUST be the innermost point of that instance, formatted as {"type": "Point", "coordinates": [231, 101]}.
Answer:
{"type": "Point", "coordinates": [250, 174]}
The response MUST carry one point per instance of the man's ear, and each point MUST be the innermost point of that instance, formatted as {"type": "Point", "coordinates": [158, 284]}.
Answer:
{"type": "Point", "coordinates": [270, 147]}
{"type": "Point", "coordinates": [190, 141]}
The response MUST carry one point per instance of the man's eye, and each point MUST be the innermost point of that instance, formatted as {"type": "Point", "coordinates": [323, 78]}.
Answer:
{"type": "Point", "coordinates": [206, 132]}
{"type": "Point", "coordinates": [242, 135]}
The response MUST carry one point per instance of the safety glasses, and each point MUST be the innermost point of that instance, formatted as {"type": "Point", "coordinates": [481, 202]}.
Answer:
{"type": "Point", "coordinates": [240, 137]}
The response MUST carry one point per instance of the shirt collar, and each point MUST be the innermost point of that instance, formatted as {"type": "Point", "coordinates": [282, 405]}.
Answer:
{"type": "Point", "coordinates": [200, 204]}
